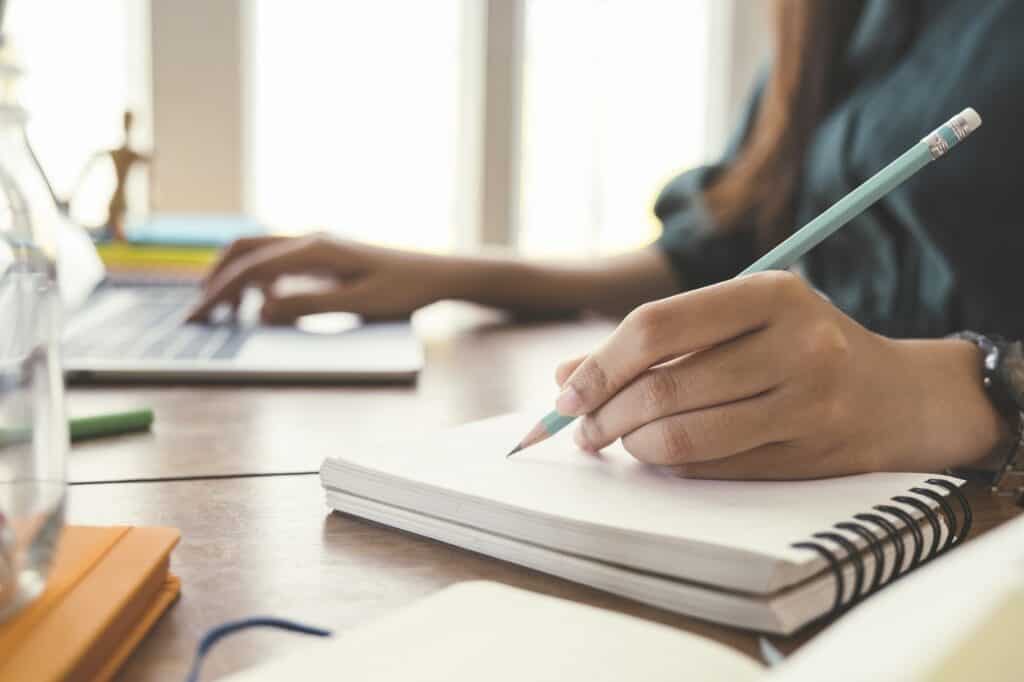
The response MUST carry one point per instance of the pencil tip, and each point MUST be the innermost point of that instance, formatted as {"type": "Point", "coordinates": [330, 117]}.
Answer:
{"type": "Point", "coordinates": [514, 450]}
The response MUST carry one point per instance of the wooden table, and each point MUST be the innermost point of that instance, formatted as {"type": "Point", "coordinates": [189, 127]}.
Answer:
{"type": "Point", "coordinates": [257, 537]}
{"type": "Point", "coordinates": [477, 366]}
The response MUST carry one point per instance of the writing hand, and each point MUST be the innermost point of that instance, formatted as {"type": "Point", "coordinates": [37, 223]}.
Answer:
{"type": "Point", "coordinates": [761, 377]}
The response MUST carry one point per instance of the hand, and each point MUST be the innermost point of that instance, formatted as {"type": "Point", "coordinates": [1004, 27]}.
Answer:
{"type": "Point", "coordinates": [370, 281]}
{"type": "Point", "coordinates": [761, 377]}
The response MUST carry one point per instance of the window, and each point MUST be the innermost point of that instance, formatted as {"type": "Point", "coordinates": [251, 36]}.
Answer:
{"type": "Point", "coordinates": [354, 112]}
{"type": "Point", "coordinates": [85, 67]}
{"type": "Point", "coordinates": [354, 118]}
{"type": "Point", "coordinates": [353, 123]}
{"type": "Point", "coordinates": [613, 107]}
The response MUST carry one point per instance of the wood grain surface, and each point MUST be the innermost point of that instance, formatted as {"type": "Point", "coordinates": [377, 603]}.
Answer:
{"type": "Point", "coordinates": [258, 540]}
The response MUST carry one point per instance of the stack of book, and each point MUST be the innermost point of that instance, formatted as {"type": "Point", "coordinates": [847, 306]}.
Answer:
{"type": "Point", "coordinates": [106, 590]}
{"type": "Point", "coordinates": [174, 246]}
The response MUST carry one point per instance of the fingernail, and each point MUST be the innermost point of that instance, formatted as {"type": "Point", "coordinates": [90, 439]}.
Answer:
{"type": "Point", "coordinates": [569, 402]}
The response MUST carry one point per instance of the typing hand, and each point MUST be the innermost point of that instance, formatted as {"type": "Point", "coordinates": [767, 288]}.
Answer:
{"type": "Point", "coordinates": [367, 280]}
{"type": "Point", "coordinates": [760, 377]}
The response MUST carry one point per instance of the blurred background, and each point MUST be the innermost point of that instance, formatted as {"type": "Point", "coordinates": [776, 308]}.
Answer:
{"type": "Point", "coordinates": [547, 126]}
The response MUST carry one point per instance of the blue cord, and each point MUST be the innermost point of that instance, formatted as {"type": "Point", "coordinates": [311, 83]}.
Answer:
{"type": "Point", "coordinates": [215, 634]}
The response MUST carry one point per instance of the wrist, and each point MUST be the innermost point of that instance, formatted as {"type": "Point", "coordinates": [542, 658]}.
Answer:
{"type": "Point", "coordinates": [612, 285]}
{"type": "Point", "coordinates": [455, 277]}
{"type": "Point", "coordinates": [486, 279]}
{"type": "Point", "coordinates": [957, 421]}
{"type": "Point", "coordinates": [512, 282]}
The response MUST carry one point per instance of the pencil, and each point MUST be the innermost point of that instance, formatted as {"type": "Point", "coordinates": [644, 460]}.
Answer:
{"type": "Point", "coordinates": [930, 148]}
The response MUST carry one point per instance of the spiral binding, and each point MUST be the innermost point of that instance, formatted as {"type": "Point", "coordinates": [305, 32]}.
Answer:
{"type": "Point", "coordinates": [882, 516]}
{"type": "Point", "coordinates": [893, 535]}
{"type": "Point", "coordinates": [874, 546]}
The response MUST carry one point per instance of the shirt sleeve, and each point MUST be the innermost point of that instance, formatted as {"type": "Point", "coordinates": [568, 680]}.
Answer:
{"type": "Point", "coordinates": [699, 253]}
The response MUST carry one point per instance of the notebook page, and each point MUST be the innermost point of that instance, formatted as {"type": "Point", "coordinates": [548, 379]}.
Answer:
{"type": "Point", "coordinates": [612, 491]}
{"type": "Point", "coordinates": [485, 631]}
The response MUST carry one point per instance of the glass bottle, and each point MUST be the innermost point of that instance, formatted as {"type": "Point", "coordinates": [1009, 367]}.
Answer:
{"type": "Point", "coordinates": [33, 425]}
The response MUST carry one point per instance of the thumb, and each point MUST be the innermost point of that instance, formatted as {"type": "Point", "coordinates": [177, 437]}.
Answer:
{"type": "Point", "coordinates": [285, 310]}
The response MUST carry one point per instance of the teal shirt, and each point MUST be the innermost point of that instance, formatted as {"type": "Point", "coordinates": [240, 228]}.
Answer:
{"type": "Point", "coordinates": [941, 253]}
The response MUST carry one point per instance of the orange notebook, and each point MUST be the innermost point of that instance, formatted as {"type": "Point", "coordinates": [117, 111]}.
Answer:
{"type": "Point", "coordinates": [107, 588]}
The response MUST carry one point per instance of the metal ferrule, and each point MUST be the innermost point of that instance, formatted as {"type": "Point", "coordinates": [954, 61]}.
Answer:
{"type": "Point", "coordinates": [947, 136]}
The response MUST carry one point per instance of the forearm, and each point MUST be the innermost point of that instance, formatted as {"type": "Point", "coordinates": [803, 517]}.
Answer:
{"type": "Point", "coordinates": [611, 285]}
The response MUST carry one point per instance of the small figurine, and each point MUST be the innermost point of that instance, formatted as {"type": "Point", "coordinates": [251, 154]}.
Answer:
{"type": "Point", "coordinates": [124, 159]}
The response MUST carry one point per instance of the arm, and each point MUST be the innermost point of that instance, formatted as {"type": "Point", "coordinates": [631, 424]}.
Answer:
{"type": "Point", "coordinates": [612, 285]}
{"type": "Point", "coordinates": [385, 282]}
{"type": "Point", "coordinates": [380, 283]}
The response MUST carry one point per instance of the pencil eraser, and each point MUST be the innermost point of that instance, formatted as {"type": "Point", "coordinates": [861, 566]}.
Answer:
{"type": "Point", "coordinates": [971, 119]}
{"type": "Point", "coordinates": [952, 132]}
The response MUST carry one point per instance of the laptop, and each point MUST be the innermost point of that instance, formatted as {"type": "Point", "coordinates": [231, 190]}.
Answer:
{"type": "Point", "coordinates": [123, 330]}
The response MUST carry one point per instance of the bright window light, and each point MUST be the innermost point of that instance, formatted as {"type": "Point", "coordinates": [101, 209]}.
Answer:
{"type": "Point", "coordinates": [354, 116]}
{"type": "Point", "coordinates": [84, 66]}
{"type": "Point", "coordinates": [614, 106]}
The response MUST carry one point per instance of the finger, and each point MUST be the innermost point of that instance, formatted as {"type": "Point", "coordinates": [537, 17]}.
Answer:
{"type": "Point", "coordinates": [711, 433]}
{"type": "Point", "coordinates": [235, 250]}
{"type": "Point", "coordinates": [257, 267]}
{"type": "Point", "coordinates": [221, 312]}
{"type": "Point", "coordinates": [565, 369]}
{"type": "Point", "coordinates": [730, 372]}
{"type": "Point", "coordinates": [287, 309]}
{"type": "Point", "coordinates": [774, 462]}
{"type": "Point", "coordinates": [658, 331]}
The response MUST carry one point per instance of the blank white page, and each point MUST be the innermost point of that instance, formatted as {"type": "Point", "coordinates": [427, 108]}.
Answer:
{"type": "Point", "coordinates": [485, 631]}
{"type": "Point", "coordinates": [755, 522]}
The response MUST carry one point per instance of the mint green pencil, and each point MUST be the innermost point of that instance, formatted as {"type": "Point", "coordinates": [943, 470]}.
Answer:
{"type": "Point", "coordinates": [932, 147]}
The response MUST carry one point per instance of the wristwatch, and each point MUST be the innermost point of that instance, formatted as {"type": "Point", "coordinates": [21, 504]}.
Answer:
{"type": "Point", "coordinates": [1002, 367]}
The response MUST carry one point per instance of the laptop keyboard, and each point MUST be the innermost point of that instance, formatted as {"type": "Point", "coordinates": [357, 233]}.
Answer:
{"type": "Point", "coordinates": [147, 323]}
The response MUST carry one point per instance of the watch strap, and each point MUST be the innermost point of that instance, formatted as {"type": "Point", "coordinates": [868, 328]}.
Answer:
{"type": "Point", "coordinates": [1002, 365]}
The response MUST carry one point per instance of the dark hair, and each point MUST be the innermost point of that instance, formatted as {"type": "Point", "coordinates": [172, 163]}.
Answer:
{"type": "Point", "coordinates": [757, 190]}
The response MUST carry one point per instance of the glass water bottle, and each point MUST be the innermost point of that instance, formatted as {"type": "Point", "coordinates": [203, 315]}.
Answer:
{"type": "Point", "coordinates": [33, 426]}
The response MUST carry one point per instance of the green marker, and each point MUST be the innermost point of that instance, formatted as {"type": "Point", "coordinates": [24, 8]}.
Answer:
{"type": "Point", "coordinates": [786, 254]}
{"type": "Point", "coordinates": [84, 428]}
{"type": "Point", "coordinates": [114, 424]}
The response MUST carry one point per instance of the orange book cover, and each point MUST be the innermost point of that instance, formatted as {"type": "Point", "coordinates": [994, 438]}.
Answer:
{"type": "Point", "coordinates": [106, 589]}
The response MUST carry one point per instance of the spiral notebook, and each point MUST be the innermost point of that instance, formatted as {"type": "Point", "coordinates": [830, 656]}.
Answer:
{"type": "Point", "coordinates": [768, 556]}
{"type": "Point", "coordinates": [959, 620]}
